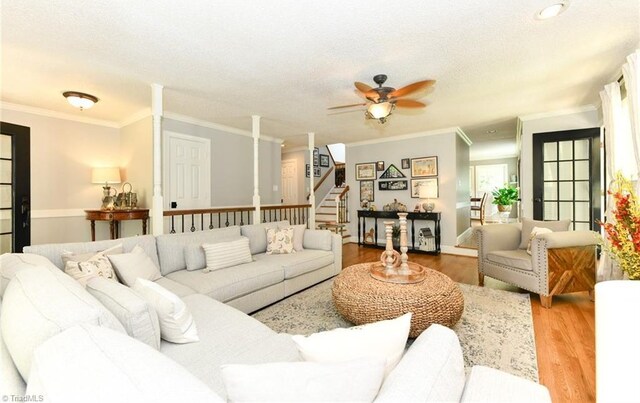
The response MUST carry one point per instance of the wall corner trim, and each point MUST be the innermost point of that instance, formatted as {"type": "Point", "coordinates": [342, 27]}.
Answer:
{"type": "Point", "coordinates": [404, 136]}
{"type": "Point", "coordinates": [141, 114]}
{"type": "Point", "coordinates": [217, 126]}
{"type": "Point", "coordinates": [463, 136]}
{"type": "Point", "coordinates": [561, 112]}
{"type": "Point", "coordinates": [57, 115]}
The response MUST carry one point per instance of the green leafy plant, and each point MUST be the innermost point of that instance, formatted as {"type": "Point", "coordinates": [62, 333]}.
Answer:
{"type": "Point", "coordinates": [505, 196]}
{"type": "Point", "coordinates": [395, 233]}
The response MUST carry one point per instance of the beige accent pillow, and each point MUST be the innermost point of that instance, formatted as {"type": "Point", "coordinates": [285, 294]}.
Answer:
{"type": "Point", "coordinates": [298, 236]}
{"type": "Point", "coordinates": [85, 266]}
{"type": "Point", "coordinates": [534, 232]}
{"type": "Point", "coordinates": [385, 339]}
{"type": "Point", "coordinates": [280, 241]}
{"type": "Point", "coordinates": [527, 226]}
{"type": "Point", "coordinates": [133, 265]}
{"type": "Point", "coordinates": [176, 322]}
{"type": "Point", "coordinates": [221, 255]}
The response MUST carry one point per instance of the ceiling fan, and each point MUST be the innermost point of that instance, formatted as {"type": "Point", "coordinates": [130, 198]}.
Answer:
{"type": "Point", "coordinates": [383, 100]}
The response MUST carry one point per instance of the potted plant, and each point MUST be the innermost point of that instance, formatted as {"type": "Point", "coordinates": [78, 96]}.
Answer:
{"type": "Point", "coordinates": [395, 235]}
{"type": "Point", "coordinates": [505, 197]}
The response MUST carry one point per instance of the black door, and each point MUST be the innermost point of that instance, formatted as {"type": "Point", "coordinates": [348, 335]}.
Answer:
{"type": "Point", "coordinates": [566, 177]}
{"type": "Point", "coordinates": [15, 188]}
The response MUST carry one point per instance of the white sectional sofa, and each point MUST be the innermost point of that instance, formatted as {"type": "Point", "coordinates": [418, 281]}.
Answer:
{"type": "Point", "coordinates": [58, 341]}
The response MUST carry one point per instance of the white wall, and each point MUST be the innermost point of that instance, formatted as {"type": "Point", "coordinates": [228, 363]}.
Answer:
{"type": "Point", "coordinates": [62, 155]}
{"type": "Point", "coordinates": [579, 119]}
{"type": "Point", "coordinates": [301, 157]}
{"type": "Point", "coordinates": [441, 144]}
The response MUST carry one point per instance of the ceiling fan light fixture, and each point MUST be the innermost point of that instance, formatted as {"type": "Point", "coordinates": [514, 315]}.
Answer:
{"type": "Point", "coordinates": [552, 11]}
{"type": "Point", "coordinates": [80, 99]}
{"type": "Point", "coordinates": [380, 111]}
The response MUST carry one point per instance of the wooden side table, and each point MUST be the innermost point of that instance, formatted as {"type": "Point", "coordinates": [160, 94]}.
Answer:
{"type": "Point", "coordinates": [114, 217]}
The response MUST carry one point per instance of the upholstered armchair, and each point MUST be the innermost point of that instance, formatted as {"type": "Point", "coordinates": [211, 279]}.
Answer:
{"type": "Point", "coordinates": [560, 262]}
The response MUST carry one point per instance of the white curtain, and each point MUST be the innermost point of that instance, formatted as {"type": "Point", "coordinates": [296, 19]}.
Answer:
{"type": "Point", "coordinates": [631, 74]}
{"type": "Point", "coordinates": [612, 114]}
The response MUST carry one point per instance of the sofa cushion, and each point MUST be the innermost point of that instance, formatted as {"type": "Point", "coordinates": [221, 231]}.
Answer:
{"type": "Point", "coordinates": [11, 383]}
{"type": "Point", "coordinates": [513, 258]}
{"type": "Point", "coordinates": [304, 381]}
{"type": "Point", "coordinates": [528, 224]}
{"type": "Point", "coordinates": [298, 236]}
{"type": "Point", "coordinates": [12, 263]}
{"type": "Point", "coordinates": [180, 290]}
{"type": "Point", "coordinates": [133, 265]}
{"type": "Point", "coordinates": [227, 336]}
{"type": "Point", "coordinates": [40, 303]}
{"type": "Point", "coordinates": [317, 239]}
{"type": "Point", "coordinates": [490, 385]}
{"type": "Point", "coordinates": [221, 255]}
{"type": "Point", "coordinates": [232, 282]}
{"type": "Point", "coordinates": [176, 322]}
{"type": "Point", "coordinates": [257, 234]}
{"type": "Point", "coordinates": [91, 364]}
{"type": "Point", "coordinates": [54, 252]}
{"type": "Point", "coordinates": [298, 263]}
{"type": "Point", "coordinates": [385, 339]}
{"type": "Point", "coordinates": [171, 247]}
{"type": "Point", "coordinates": [138, 317]}
{"type": "Point", "coordinates": [432, 370]}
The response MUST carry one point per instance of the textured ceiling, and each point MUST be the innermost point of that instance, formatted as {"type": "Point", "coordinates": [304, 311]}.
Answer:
{"type": "Point", "coordinates": [288, 60]}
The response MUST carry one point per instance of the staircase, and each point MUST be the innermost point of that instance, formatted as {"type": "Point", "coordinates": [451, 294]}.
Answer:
{"type": "Point", "coordinates": [326, 210]}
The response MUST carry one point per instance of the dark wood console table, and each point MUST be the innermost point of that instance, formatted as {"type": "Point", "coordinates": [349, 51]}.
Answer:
{"type": "Point", "coordinates": [393, 215]}
{"type": "Point", "coordinates": [114, 217]}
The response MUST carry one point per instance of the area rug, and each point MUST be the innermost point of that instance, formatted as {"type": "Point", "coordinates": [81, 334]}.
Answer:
{"type": "Point", "coordinates": [496, 328]}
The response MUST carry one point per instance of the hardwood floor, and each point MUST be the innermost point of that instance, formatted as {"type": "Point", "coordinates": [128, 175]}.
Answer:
{"type": "Point", "coordinates": [565, 334]}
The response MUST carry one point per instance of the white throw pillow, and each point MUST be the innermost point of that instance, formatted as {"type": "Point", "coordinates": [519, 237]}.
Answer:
{"type": "Point", "coordinates": [385, 339]}
{"type": "Point", "coordinates": [134, 265]}
{"type": "Point", "coordinates": [221, 255]}
{"type": "Point", "coordinates": [83, 267]}
{"type": "Point", "coordinates": [536, 231]}
{"type": "Point", "coordinates": [280, 241]}
{"type": "Point", "coordinates": [176, 321]}
{"type": "Point", "coordinates": [137, 315]}
{"type": "Point", "coordinates": [304, 381]}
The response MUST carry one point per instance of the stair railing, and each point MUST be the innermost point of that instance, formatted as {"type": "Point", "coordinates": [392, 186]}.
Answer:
{"type": "Point", "coordinates": [342, 206]}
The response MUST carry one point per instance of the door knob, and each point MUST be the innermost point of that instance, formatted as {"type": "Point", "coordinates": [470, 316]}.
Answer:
{"type": "Point", "coordinates": [174, 204]}
{"type": "Point", "coordinates": [537, 200]}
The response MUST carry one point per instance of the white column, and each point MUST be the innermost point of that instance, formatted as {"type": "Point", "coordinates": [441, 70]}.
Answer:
{"type": "Point", "coordinates": [157, 222]}
{"type": "Point", "coordinates": [256, 167]}
{"type": "Point", "coordinates": [312, 196]}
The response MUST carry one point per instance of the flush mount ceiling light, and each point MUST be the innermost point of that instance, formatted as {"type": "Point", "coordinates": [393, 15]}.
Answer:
{"type": "Point", "coordinates": [80, 99]}
{"type": "Point", "coordinates": [552, 11]}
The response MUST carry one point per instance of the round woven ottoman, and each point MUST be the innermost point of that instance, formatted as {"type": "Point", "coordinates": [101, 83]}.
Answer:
{"type": "Point", "coordinates": [361, 299]}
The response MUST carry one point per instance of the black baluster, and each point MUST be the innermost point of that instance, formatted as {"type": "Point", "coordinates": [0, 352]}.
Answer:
{"type": "Point", "coordinates": [193, 226]}
{"type": "Point", "coordinates": [173, 228]}
{"type": "Point", "coordinates": [182, 216]}
{"type": "Point", "coordinates": [226, 223]}
{"type": "Point", "coordinates": [210, 220]}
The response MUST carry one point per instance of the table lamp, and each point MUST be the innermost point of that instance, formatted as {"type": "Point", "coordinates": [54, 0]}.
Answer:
{"type": "Point", "coordinates": [105, 177]}
{"type": "Point", "coordinates": [428, 192]}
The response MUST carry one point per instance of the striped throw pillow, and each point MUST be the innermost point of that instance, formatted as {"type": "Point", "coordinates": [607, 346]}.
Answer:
{"type": "Point", "coordinates": [226, 254]}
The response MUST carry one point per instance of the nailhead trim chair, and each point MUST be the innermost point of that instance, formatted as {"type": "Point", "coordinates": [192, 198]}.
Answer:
{"type": "Point", "coordinates": [560, 262]}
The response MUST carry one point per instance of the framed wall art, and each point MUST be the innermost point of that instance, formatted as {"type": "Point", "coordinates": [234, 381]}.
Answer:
{"type": "Point", "coordinates": [393, 185]}
{"type": "Point", "coordinates": [380, 166]}
{"type": "Point", "coordinates": [431, 184]}
{"type": "Point", "coordinates": [405, 163]}
{"type": "Point", "coordinates": [307, 170]}
{"type": "Point", "coordinates": [316, 157]}
{"type": "Point", "coordinates": [424, 167]}
{"type": "Point", "coordinates": [366, 171]}
{"type": "Point", "coordinates": [392, 173]}
{"type": "Point", "coordinates": [367, 191]}
{"type": "Point", "coordinates": [324, 160]}
{"type": "Point", "coordinates": [316, 172]}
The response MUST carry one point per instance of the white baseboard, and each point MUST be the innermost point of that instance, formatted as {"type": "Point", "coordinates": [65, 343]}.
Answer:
{"type": "Point", "coordinates": [453, 250]}
{"type": "Point", "coordinates": [464, 236]}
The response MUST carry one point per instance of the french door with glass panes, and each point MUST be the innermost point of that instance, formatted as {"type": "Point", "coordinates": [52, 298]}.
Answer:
{"type": "Point", "coordinates": [566, 177]}
{"type": "Point", "coordinates": [15, 188]}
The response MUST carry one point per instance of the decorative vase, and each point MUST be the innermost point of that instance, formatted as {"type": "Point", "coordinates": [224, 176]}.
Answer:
{"type": "Point", "coordinates": [504, 208]}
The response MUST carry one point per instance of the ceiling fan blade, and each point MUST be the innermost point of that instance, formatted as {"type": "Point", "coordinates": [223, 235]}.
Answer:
{"type": "Point", "coordinates": [347, 106]}
{"type": "Point", "coordinates": [409, 103]}
{"type": "Point", "coordinates": [362, 87]}
{"type": "Point", "coordinates": [411, 88]}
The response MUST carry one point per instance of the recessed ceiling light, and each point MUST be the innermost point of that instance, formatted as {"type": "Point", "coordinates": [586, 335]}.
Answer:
{"type": "Point", "coordinates": [491, 131]}
{"type": "Point", "coordinates": [552, 10]}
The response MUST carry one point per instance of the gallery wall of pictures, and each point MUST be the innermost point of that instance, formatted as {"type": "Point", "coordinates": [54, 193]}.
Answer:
{"type": "Point", "coordinates": [416, 172]}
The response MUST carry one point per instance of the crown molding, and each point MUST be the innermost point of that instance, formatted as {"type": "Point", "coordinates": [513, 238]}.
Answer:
{"type": "Point", "coordinates": [141, 114]}
{"type": "Point", "coordinates": [286, 150]}
{"type": "Point", "coordinates": [463, 136]}
{"type": "Point", "coordinates": [562, 112]}
{"type": "Point", "coordinates": [216, 126]}
{"type": "Point", "coordinates": [57, 115]}
{"type": "Point", "coordinates": [405, 136]}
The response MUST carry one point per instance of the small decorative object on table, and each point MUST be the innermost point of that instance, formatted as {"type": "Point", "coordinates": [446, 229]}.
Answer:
{"type": "Point", "coordinates": [623, 229]}
{"type": "Point", "coordinates": [126, 200]}
{"type": "Point", "coordinates": [504, 199]}
{"type": "Point", "coordinates": [395, 206]}
{"type": "Point", "coordinates": [394, 266]}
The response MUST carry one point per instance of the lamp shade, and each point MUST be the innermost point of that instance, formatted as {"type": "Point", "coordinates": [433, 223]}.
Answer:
{"type": "Point", "coordinates": [428, 191]}
{"type": "Point", "coordinates": [105, 175]}
{"type": "Point", "coordinates": [381, 110]}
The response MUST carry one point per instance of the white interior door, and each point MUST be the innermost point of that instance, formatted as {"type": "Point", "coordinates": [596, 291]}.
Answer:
{"type": "Point", "coordinates": [187, 171]}
{"type": "Point", "coordinates": [289, 182]}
